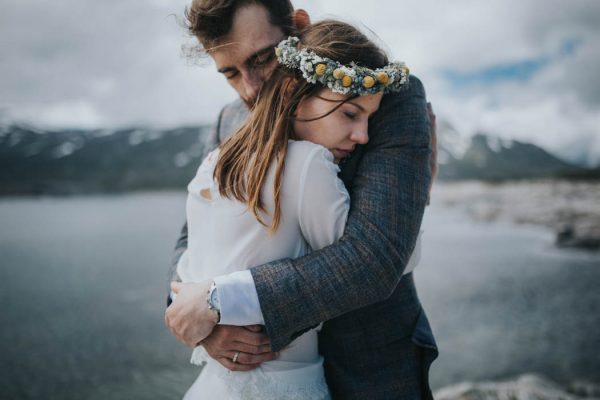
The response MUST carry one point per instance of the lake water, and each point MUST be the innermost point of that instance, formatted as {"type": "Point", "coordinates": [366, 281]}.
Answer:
{"type": "Point", "coordinates": [83, 284]}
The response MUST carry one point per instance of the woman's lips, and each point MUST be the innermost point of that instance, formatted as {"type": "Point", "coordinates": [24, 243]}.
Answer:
{"type": "Point", "coordinates": [343, 153]}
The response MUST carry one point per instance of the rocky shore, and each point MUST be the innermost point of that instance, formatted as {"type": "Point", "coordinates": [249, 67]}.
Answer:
{"type": "Point", "coordinates": [524, 387]}
{"type": "Point", "coordinates": [570, 209]}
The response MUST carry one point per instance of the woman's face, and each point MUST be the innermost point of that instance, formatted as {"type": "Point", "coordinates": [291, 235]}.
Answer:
{"type": "Point", "coordinates": [341, 130]}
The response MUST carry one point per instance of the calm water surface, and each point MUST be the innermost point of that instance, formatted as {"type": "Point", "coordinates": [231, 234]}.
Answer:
{"type": "Point", "coordinates": [83, 284]}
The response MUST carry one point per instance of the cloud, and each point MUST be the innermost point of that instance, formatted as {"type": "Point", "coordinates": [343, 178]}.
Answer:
{"type": "Point", "coordinates": [522, 70]}
{"type": "Point", "coordinates": [122, 58]}
{"type": "Point", "coordinates": [518, 69]}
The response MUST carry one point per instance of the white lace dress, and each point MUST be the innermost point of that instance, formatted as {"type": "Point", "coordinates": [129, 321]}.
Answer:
{"type": "Point", "coordinates": [223, 237]}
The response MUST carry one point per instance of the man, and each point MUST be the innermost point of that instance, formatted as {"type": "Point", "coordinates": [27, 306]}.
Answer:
{"type": "Point", "coordinates": [376, 340]}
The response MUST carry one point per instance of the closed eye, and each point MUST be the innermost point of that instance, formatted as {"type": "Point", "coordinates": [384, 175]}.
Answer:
{"type": "Point", "coordinates": [350, 114]}
{"type": "Point", "coordinates": [231, 74]}
{"type": "Point", "coordinates": [264, 59]}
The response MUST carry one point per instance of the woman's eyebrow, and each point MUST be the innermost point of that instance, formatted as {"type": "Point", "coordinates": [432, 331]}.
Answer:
{"type": "Point", "coordinates": [361, 108]}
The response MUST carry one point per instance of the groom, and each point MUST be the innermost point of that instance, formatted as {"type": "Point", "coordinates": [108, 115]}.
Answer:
{"type": "Point", "coordinates": [376, 340]}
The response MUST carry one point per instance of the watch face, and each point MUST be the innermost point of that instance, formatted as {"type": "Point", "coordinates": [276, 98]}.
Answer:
{"type": "Point", "coordinates": [214, 299]}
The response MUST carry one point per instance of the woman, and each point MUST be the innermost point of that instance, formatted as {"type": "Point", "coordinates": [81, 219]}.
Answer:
{"type": "Point", "coordinates": [271, 191]}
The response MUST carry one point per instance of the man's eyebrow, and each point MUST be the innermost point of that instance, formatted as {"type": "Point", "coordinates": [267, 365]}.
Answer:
{"type": "Point", "coordinates": [261, 52]}
{"type": "Point", "coordinates": [251, 58]}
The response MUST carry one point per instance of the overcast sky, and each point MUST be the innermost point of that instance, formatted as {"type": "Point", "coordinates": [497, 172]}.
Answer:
{"type": "Point", "coordinates": [516, 69]}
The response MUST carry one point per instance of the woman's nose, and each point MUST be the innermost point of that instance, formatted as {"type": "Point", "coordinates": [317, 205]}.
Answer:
{"type": "Point", "coordinates": [361, 135]}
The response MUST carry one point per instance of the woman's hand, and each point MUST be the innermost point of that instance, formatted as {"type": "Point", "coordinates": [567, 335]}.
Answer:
{"type": "Point", "coordinates": [188, 317]}
{"type": "Point", "coordinates": [251, 343]}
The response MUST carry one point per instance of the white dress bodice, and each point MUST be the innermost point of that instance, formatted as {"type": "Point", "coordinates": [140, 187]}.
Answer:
{"type": "Point", "coordinates": [224, 237]}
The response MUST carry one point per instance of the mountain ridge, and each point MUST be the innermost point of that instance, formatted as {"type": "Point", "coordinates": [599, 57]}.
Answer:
{"type": "Point", "coordinates": [36, 161]}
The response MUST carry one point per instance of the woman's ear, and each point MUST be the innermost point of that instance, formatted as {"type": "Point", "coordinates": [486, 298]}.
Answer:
{"type": "Point", "coordinates": [300, 19]}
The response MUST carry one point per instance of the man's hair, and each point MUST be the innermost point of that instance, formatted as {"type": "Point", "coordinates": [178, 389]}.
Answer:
{"type": "Point", "coordinates": [211, 20]}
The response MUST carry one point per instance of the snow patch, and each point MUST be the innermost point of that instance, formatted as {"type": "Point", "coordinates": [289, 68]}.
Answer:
{"type": "Point", "coordinates": [103, 132]}
{"type": "Point", "coordinates": [67, 148]}
{"type": "Point", "coordinates": [181, 159]}
{"type": "Point", "coordinates": [196, 150]}
{"type": "Point", "coordinates": [449, 139]}
{"type": "Point", "coordinates": [140, 136]}
{"type": "Point", "coordinates": [494, 144]}
{"type": "Point", "coordinates": [14, 139]}
{"type": "Point", "coordinates": [524, 387]}
{"type": "Point", "coordinates": [507, 143]}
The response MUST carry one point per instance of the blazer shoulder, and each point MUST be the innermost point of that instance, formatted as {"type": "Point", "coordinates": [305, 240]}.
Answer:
{"type": "Point", "coordinates": [233, 106]}
{"type": "Point", "coordinates": [415, 88]}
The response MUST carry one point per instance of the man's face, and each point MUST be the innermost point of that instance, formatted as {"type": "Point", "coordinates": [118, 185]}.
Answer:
{"type": "Point", "coordinates": [246, 55]}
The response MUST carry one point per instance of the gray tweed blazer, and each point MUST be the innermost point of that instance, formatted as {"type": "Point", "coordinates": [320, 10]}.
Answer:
{"type": "Point", "coordinates": [376, 340]}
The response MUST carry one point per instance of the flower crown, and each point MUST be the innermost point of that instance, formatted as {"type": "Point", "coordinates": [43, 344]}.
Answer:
{"type": "Point", "coordinates": [341, 78]}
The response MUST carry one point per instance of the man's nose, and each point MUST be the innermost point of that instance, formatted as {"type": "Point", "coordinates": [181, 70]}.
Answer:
{"type": "Point", "coordinates": [252, 83]}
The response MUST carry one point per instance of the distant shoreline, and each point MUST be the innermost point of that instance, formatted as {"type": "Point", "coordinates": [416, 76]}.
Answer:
{"type": "Point", "coordinates": [569, 208]}
{"type": "Point", "coordinates": [61, 188]}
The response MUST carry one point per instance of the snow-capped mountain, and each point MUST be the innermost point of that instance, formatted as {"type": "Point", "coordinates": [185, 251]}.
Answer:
{"type": "Point", "coordinates": [75, 161]}
{"type": "Point", "coordinates": [490, 158]}
{"type": "Point", "coordinates": [34, 161]}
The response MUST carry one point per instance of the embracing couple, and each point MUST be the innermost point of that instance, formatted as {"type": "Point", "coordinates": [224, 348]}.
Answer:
{"type": "Point", "coordinates": [292, 278]}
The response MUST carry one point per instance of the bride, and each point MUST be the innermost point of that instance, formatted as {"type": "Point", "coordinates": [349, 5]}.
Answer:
{"type": "Point", "coordinates": [271, 191]}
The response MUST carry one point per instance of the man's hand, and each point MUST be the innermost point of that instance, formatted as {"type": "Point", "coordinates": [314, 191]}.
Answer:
{"type": "Point", "coordinates": [226, 340]}
{"type": "Point", "coordinates": [188, 317]}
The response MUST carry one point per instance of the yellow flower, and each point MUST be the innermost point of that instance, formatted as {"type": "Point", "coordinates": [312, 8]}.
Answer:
{"type": "Point", "coordinates": [346, 81]}
{"type": "Point", "coordinates": [368, 82]}
{"type": "Point", "coordinates": [338, 73]}
{"type": "Point", "coordinates": [320, 69]}
{"type": "Point", "coordinates": [383, 78]}
{"type": "Point", "coordinates": [278, 51]}
{"type": "Point", "coordinates": [406, 70]}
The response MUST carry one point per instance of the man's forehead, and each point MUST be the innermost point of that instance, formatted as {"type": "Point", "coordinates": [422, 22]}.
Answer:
{"type": "Point", "coordinates": [235, 54]}
{"type": "Point", "coordinates": [251, 32]}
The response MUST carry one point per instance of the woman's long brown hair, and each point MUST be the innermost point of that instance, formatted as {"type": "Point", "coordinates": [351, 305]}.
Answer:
{"type": "Point", "coordinates": [245, 158]}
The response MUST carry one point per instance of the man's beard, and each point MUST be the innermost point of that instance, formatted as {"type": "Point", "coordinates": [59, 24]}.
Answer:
{"type": "Point", "coordinates": [249, 102]}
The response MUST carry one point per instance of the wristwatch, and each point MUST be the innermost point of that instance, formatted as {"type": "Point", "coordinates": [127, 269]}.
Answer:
{"type": "Point", "coordinates": [213, 301]}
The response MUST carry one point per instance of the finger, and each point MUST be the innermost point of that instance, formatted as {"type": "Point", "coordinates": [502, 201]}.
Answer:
{"type": "Point", "coordinates": [251, 359]}
{"type": "Point", "coordinates": [168, 322]}
{"type": "Point", "coordinates": [253, 338]}
{"type": "Point", "coordinates": [254, 328]}
{"type": "Point", "coordinates": [250, 348]}
{"type": "Point", "coordinates": [176, 286]}
{"type": "Point", "coordinates": [230, 365]}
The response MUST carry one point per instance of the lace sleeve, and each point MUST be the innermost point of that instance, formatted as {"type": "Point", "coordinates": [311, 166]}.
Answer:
{"type": "Point", "coordinates": [199, 356]}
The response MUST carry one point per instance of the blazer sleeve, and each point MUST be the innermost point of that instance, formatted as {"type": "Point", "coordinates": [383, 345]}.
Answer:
{"type": "Point", "coordinates": [180, 248]}
{"type": "Point", "coordinates": [388, 196]}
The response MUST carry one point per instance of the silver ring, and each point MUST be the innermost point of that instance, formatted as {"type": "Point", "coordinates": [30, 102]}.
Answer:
{"type": "Point", "coordinates": [235, 357]}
